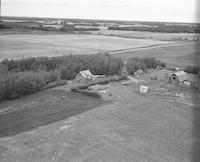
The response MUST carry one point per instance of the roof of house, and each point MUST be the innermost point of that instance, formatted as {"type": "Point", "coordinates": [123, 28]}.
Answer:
{"type": "Point", "coordinates": [182, 76]}
{"type": "Point", "coordinates": [86, 74]}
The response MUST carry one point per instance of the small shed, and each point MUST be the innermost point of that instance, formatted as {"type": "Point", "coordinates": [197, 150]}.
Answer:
{"type": "Point", "coordinates": [178, 78]}
{"type": "Point", "coordinates": [140, 71]}
{"type": "Point", "coordinates": [84, 76]}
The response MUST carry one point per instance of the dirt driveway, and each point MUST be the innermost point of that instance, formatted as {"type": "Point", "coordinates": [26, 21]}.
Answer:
{"type": "Point", "coordinates": [133, 127]}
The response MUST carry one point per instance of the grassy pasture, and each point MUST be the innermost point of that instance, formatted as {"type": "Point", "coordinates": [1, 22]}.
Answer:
{"type": "Point", "coordinates": [17, 46]}
{"type": "Point", "coordinates": [181, 55]}
{"type": "Point", "coordinates": [133, 127]}
{"type": "Point", "coordinates": [40, 109]}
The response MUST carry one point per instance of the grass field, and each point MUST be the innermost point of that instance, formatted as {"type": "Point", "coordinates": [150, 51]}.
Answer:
{"type": "Point", "coordinates": [15, 46]}
{"type": "Point", "coordinates": [176, 56]}
{"type": "Point", "coordinates": [42, 108]}
{"type": "Point", "coordinates": [155, 127]}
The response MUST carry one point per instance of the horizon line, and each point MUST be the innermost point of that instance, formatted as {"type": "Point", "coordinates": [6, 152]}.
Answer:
{"type": "Point", "coordinates": [100, 19]}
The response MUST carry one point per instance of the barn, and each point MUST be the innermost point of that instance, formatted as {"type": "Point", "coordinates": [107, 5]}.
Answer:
{"type": "Point", "coordinates": [84, 76]}
{"type": "Point", "coordinates": [178, 78]}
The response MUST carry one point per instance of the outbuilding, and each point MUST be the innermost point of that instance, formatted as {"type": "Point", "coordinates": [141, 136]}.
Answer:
{"type": "Point", "coordinates": [84, 76]}
{"type": "Point", "coordinates": [178, 78]}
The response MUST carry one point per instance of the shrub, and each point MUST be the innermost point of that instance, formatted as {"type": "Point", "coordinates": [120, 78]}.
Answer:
{"type": "Point", "coordinates": [21, 84]}
{"type": "Point", "coordinates": [83, 86]}
{"type": "Point", "coordinates": [91, 94]}
{"type": "Point", "coordinates": [56, 83]}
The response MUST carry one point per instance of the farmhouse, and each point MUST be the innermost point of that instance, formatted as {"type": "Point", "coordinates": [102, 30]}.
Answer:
{"type": "Point", "coordinates": [178, 78]}
{"type": "Point", "coordinates": [84, 76]}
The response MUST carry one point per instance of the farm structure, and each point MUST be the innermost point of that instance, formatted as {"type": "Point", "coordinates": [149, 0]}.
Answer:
{"type": "Point", "coordinates": [178, 78]}
{"type": "Point", "coordinates": [84, 76]}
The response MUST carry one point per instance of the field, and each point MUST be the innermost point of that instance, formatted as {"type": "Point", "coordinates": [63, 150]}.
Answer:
{"type": "Point", "coordinates": [149, 35]}
{"type": "Point", "coordinates": [125, 125]}
{"type": "Point", "coordinates": [174, 55]}
{"type": "Point", "coordinates": [41, 108]}
{"type": "Point", "coordinates": [16, 46]}
{"type": "Point", "coordinates": [157, 126]}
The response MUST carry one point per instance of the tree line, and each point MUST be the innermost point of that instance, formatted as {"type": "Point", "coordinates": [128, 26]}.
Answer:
{"type": "Point", "coordinates": [25, 76]}
{"type": "Point", "coordinates": [20, 77]}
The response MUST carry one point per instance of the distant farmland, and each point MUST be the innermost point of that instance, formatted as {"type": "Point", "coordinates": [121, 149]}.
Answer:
{"type": "Point", "coordinates": [18, 46]}
{"type": "Point", "coordinates": [180, 55]}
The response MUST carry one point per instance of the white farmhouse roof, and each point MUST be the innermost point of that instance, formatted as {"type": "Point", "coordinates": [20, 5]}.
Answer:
{"type": "Point", "coordinates": [86, 74]}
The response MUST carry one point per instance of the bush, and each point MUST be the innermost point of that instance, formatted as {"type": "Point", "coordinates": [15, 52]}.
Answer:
{"type": "Point", "coordinates": [192, 69]}
{"type": "Point", "coordinates": [83, 86]}
{"type": "Point", "coordinates": [21, 84]}
{"type": "Point", "coordinates": [56, 83]}
{"type": "Point", "coordinates": [91, 94]}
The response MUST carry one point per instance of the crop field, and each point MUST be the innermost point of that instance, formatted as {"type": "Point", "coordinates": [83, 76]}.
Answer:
{"type": "Point", "coordinates": [178, 55]}
{"type": "Point", "coordinates": [16, 46]}
{"type": "Point", "coordinates": [149, 35]}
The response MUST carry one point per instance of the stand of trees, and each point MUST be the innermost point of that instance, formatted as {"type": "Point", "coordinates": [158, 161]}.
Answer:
{"type": "Point", "coordinates": [20, 77]}
{"type": "Point", "coordinates": [161, 28]}
{"type": "Point", "coordinates": [137, 63]}
{"type": "Point", "coordinates": [25, 76]}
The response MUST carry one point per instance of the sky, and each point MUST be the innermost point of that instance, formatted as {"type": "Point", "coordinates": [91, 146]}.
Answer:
{"type": "Point", "coordinates": [133, 10]}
